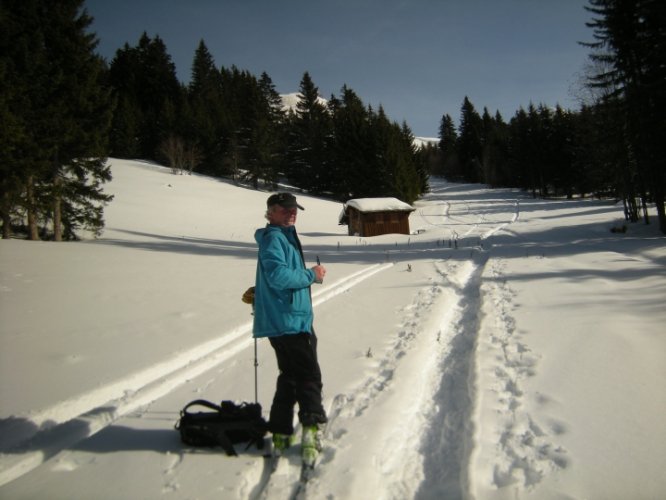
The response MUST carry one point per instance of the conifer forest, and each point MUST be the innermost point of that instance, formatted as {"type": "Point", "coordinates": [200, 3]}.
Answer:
{"type": "Point", "coordinates": [64, 110]}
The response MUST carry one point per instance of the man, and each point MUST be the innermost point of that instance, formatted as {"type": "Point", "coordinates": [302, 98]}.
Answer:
{"type": "Point", "coordinates": [283, 313]}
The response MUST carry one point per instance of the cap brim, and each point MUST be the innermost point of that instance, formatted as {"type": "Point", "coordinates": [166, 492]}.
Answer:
{"type": "Point", "coordinates": [291, 205]}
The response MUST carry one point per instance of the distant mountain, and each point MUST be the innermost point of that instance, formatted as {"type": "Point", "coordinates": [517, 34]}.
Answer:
{"type": "Point", "coordinates": [289, 101]}
{"type": "Point", "coordinates": [425, 141]}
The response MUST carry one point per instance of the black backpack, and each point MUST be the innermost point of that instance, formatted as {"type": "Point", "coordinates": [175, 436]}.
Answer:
{"type": "Point", "coordinates": [226, 425]}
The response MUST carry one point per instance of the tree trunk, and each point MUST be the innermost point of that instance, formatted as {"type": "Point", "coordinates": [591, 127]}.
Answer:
{"type": "Point", "coordinates": [33, 232]}
{"type": "Point", "coordinates": [6, 226]}
{"type": "Point", "coordinates": [57, 210]}
{"type": "Point", "coordinates": [646, 215]}
{"type": "Point", "coordinates": [661, 210]}
{"type": "Point", "coordinates": [6, 217]}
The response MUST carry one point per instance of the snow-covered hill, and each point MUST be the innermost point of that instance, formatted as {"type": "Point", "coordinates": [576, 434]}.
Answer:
{"type": "Point", "coordinates": [513, 348]}
{"type": "Point", "coordinates": [425, 141]}
{"type": "Point", "coordinates": [289, 101]}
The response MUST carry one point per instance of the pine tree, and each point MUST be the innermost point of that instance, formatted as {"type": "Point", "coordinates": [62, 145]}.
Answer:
{"type": "Point", "coordinates": [470, 145]}
{"type": "Point", "coordinates": [63, 118]}
{"type": "Point", "coordinates": [247, 121]}
{"type": "Point", "coordinates": [125, 125]}
{"type": "Point", "coordinates": [541, 125]}
{"type": "Point", "coordinates": [22, 59]}
{"type": "Point", "coordinates": [562, 150]}
{"type": "Point", "coordinates": [520, 147]}
{"type": "Point", "coordinates": [501, 149]}
{"type": "Point", "coordinates": [631, 42]}
{"type": "Point", "coordinates": [145, 77]}
{"type": "Point", "coordinates": [14, 99]}
{"type": "Point", "coordinates": [495, 149]}
{"type": "Point", "coordinates": [448, 140]}
{"type": "Point", "coordinates": [526, 144]}
{"type": "Point", "coordinates": [488, 164]}
{"type": "Point", "coordinates": [205, 78]}
{"type": "Point", "coordinates": [383, 140]}
{"type": "Point", "coordinates": [430, 158]}
{"type": "Point", "coordinates": [266, 145]}
{"type": "Point", "coordinates": [206, 123]}
{"type": "Point", "coordinates": [353, 151]}
{"type": "Point", "coordinates": [412, 176]}
{"type": "Point", "coordinates": [307, 149]}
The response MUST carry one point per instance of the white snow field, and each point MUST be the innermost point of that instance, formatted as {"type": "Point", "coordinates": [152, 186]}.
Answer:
{"type": "Point", "coordinates": [508, 348]}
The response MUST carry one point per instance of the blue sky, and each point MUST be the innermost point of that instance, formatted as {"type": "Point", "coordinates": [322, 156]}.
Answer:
{"type": "Point", "coordinates": [418, 58]}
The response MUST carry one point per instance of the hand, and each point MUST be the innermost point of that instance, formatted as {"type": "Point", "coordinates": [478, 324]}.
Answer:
{"type": "Point", "coordinates": [320, 272]}
{"type": "Point", "coordinates": [248, 296]}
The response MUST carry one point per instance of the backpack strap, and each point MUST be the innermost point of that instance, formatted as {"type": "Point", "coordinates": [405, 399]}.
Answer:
{"type": "Point", "coordinates": [226, 444]}
{"type": "Point", "coordinates": [201, 402]}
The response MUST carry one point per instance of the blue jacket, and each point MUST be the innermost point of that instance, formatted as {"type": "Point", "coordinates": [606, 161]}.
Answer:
{"type": "Point", "coordinates": [282, 302]}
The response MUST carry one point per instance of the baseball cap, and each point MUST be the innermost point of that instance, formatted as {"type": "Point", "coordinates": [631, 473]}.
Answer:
{"type": "Point", "coordinates": [285, 200]}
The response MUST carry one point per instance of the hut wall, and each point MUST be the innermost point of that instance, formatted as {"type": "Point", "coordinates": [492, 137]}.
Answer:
{"type": "Point", "coordinates": [377, 223]}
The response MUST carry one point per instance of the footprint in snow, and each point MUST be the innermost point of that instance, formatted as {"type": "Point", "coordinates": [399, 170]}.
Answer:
{"type": "Point", "coordinates": [527, 452]}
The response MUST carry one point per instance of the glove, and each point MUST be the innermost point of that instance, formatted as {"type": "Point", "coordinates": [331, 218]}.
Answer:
{"type": "Point", "coordinates": [248, 296]}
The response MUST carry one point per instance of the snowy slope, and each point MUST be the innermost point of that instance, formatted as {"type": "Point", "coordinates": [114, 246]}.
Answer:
{"type": "Point", "coordinates": [511, 349]}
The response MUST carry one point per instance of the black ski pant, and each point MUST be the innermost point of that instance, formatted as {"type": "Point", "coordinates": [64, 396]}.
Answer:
{"type": "Point", "coordinates": [299, 382]}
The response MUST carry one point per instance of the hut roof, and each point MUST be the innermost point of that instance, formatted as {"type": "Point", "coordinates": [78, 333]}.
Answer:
{"type": "Point", "coordinates": [366, 205]}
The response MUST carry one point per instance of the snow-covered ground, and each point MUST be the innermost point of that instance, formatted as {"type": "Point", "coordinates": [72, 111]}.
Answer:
{"type": "Point", "coordinates": [513, 348]}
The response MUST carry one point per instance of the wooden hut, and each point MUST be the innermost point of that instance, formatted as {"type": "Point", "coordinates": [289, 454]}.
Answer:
{"type": "Point", "coordinates": [375, 216]}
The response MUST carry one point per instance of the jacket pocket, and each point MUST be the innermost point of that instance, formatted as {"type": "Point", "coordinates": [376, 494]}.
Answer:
{"type": "Point", "coordinates": [301, 301]}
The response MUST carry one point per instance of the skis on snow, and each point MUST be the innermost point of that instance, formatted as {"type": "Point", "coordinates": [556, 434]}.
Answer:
{"type": "Point", "coordinates": [281, 468]}
{"type": "Point", "coordinates": [307, 471]}
{"type": "Point", "coordinates": [282, 476]}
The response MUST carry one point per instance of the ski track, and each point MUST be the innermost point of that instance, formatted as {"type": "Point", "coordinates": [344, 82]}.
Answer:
{"type": "Point", "coordinates": [527, 450]}
{"type": "Point", "coordinates": [70, 421]}
{"type": "Point", "coordinates": [446, 442]}
{"type": "Point", "coordinates": [347, 409]}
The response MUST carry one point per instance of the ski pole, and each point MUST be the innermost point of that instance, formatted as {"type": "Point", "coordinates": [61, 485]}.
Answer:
{"type": "Point", "coordinates": [319, 264]}
{"type": "Point", "coordinates": [256, 364]}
